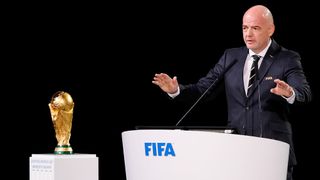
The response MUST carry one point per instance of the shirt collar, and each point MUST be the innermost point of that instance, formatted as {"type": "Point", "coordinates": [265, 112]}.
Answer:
{"type": "Point", "coordinates": [263, 52]}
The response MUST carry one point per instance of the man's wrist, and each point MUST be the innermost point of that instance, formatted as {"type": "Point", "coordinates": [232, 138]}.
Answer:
{"type": "Point", "coordinates": [173, 95]}
{"type": "Point", "coordinates": [290, 92]}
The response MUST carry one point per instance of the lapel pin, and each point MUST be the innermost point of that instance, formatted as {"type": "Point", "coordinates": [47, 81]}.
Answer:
{"type": "Point", "coordinates": [269, 78]}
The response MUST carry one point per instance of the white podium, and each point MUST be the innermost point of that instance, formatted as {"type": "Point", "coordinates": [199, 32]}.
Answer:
{"type": "Point", "coordinates": [202, 155]}
{"type": "Point", "coordinates": [63, 167]}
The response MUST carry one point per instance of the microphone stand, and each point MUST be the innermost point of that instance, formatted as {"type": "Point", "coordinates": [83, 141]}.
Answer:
{"type": "Point", "coordinates": [259, 99]}
{"type": "Point", "coordinates": [205, 92]}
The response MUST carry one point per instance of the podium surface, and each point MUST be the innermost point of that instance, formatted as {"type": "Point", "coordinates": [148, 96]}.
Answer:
{"type": "Point", "coordinates": [63, 167]}
{"type": "Point", "coordinates": [202, 155]}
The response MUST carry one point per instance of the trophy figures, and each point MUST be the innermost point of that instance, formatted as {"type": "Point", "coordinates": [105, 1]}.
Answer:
{"type": "Point", "coordinates": [61, 109]}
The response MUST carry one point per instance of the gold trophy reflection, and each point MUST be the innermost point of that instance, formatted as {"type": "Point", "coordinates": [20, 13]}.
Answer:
{"type": "Point", "coordinates": [61, 109]}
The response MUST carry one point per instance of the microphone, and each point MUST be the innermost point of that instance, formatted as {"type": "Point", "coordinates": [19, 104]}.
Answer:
{"type": "Point", "coordinates": [205, 92]}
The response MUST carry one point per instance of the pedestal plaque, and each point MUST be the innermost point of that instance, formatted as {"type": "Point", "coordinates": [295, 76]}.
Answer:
{"type": "Point", "coordinates": [64, 167]}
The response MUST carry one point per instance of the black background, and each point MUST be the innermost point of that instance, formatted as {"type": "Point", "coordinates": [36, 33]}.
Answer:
{"type": "Point", "coordinates": [105, 56]}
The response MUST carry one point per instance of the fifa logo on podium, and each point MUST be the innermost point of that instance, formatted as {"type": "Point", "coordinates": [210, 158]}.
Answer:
{"type": "Point", "coordinates": [159, 149]}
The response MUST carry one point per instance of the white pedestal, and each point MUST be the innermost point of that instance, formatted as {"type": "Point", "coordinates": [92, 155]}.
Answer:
{"type": "Point", "coordinates": [64, 167]}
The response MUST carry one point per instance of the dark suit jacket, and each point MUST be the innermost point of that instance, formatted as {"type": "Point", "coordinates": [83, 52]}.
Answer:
{"type": "Point", "coordinates": [244, 112]}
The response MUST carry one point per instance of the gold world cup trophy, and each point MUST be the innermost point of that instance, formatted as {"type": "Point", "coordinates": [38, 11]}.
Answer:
{"type": "Point", "coordinates": [61, 109]}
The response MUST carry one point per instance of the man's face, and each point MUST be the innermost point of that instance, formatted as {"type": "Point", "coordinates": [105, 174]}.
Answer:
{"type": "Point", "coordinates": [256, 32]}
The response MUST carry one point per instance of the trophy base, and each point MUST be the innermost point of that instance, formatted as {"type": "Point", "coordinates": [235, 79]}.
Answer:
{"type": "Point", "coordinates": [63, 149]}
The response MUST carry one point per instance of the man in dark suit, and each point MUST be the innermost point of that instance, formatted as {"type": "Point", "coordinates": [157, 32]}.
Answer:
{"type": "Point", "coordinates": [258, 95]}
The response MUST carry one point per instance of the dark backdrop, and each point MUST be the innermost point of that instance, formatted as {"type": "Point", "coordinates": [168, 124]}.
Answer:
{"type": "Point", "coordinates": [105, 56]}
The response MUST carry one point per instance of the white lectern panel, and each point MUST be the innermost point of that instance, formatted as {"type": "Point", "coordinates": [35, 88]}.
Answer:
{"type": "Point", "coordinates": [201, 155]}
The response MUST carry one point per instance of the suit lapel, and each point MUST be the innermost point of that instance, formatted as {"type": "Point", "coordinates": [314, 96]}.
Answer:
{"type": "Point", "coordinates": [242, 61]}
{"type": "Point", "coordinates": [266, 64]}
{"type": "Point", "coordinates": [264, 67]}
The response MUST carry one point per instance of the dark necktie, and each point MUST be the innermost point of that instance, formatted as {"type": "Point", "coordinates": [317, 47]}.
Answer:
{"type": "Point", "coordinates": [253, 72]}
